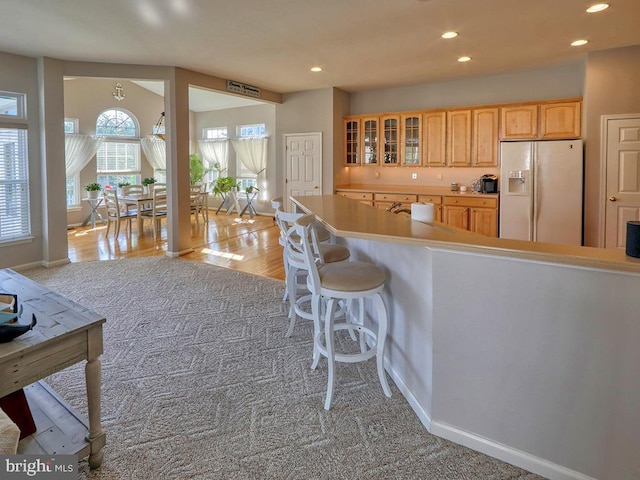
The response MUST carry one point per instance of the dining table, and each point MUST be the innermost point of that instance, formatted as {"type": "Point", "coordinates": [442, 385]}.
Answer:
{"type": "Point", "coordinates": [141, 201]}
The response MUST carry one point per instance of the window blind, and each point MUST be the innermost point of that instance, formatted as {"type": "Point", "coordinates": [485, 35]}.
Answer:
{"type": "Point", "coordinates": [15, 222]}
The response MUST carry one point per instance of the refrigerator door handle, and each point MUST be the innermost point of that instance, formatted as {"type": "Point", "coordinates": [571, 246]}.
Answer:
{"type": "Point", "coordinates": [536, 200]}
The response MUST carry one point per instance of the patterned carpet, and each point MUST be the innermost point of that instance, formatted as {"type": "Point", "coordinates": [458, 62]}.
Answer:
{"type": "Point", "coordinates": [199, 382]}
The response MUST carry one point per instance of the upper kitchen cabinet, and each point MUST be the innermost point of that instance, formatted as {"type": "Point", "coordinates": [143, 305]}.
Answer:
{"type": "Point", "coordinates": [560, 120]}
{"type": "Point", "coordinates": [548, 120]}
{"type": "Point", "coordinates": [434, 138]}
{"type": "Point", "coordinates": [459, 138]}
{"type": "Point", "coordinates": [519, 122]}
{"type": "Point", "coordinates": [352, 141]}
{"type": "Point", "coordinates": [390, 139]}
{"type": "Point", "coordinates": [410, 140]}
{"type": "Point", "coordinates": [485, 138]}
{"type": "Point", "coordinates": [370, 152]}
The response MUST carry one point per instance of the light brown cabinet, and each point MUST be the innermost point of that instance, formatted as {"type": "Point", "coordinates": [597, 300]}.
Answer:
{"type": "Point", "coordinates": [553, 120]}
{"type": "Point", "coordinates": [370, 153]}
{"type": "Point", "coordinates": [385, 200]}
{"type": "Point", "coordinates": [560, 120]}
{"type": "Point", "coordinates": [410, 140]}
{"type": "Point", "coordinates": [390, 139]}
{"type": "Point", "coordinates": [434, 138]}
{"type": "Point", "coordinates": [437, 205]}
{"type": "Point", "coordinates": [364, 197]}
{"type": "Point", "coordinates": [485, 137]}
{"type": "Point", "coordinates": [459, 138]}
{"type": "Point", "coordinates": [476, 214]}
{"type": "Point", "coordinates": [352, 141]}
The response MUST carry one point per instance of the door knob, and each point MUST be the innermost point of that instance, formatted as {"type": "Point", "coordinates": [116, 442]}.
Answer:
{"type": "Point", "coordinates": [612, 199]}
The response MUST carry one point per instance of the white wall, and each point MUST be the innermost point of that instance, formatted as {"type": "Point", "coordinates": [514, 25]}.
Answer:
{"type": "Point", "coordinates": [20, 74]}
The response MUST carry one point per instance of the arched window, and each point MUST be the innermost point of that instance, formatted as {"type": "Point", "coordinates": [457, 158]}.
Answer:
{"type": "Point", "coordinates": [116, 123]}
{"type": "Point", "coordinates": [118, 158]}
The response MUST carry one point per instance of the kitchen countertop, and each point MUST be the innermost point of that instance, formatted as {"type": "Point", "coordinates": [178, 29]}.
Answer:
{"type": "Point", "coordinates": [349, 218]}
{"type": "Point", "coordinates": [417, 190]}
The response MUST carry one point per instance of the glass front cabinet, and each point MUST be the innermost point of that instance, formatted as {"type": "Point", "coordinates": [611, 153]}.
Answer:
{"type": "Point", "coordinates": [370, 141]}
{"type": "Point", "coordinates": [352, 141]}
{"type": "Point", "coordinates": [390, 139]}
{"type": "Point", "coordinates": [410, 140]}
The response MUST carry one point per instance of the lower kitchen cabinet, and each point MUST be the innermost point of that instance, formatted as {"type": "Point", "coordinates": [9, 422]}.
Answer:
{"type": "Point", "coordinates": [476, 214]}
{"type": "Point", "coordinates": [364, 197]}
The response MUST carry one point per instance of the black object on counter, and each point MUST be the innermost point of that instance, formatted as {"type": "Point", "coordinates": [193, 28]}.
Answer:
{"type": "Point", "coordinates": [633, 239]}
{"type": "Point", "coordinates": [489, 183]}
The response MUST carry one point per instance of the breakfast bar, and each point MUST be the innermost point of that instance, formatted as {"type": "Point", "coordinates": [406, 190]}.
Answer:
{"type": "Point", "coordinates": [525, 351]}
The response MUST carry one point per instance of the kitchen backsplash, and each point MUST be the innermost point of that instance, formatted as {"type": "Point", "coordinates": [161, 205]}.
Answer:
{"type": "Point", "coordinates": [431, 176]}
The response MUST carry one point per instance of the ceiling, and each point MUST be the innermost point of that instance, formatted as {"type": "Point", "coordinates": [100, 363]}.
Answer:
{"type": "Point", "coordinates": [360, 44]}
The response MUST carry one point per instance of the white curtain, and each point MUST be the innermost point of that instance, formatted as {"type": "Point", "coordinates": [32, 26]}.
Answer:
{"type": "Point", "coordinates": [155, 150]}
{"type": "Point", "coordinates": [252, 152]}
{"type": "Point", "coordinates": [214, 152]}
{"type": "Point", "coordinates": [78, 151]}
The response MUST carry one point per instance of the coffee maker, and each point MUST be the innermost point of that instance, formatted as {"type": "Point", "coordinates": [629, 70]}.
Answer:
{"type": "Point", "coordinates": [489, 183]}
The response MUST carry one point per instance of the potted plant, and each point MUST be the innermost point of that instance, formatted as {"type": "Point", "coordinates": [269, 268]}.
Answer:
{"type": "Point", "coordinates": [148, 181]}
{"type": "Point", "coordinates": [197, 170]}
{"type": "Point", "coordinates": [224, 185]}
{"type": "Point", "coordinates": [121, 185]}
{"type": "Point", "coordinates": [93, 189]}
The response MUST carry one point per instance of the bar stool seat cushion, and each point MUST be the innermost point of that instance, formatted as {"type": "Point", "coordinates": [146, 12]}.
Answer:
{"type": "Point", "coordinates": [351, 276]}
{"type": "Point", "coordinates": [333, 253]}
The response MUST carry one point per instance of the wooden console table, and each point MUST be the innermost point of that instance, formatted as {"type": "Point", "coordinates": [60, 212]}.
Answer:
{"type": "Point", "coordinates": [66, 334]}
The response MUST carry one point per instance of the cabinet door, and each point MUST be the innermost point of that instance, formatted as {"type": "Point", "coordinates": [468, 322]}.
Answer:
{"type": "Point", "coordinates": [459, 138]}
{"type": "Point", "coordinates": [485, 137]}
{"type": "Point", "coordinates": [352, 141]}
{"type": "Point", "coordinates": [390, 139]}
{"type": "Point", "coordinates": [410, 140]}
{"type": "Point", "coordinates": [560, 120]}
{"type": "Point", "coordinates": [434, 138]}
{"type": "Point", "coordinates": [519, 122]}
{"type": "Point", "coordinates": [456, 217]}
{"type": "Point", "coordinates": [369, 141]}
{"type": "Point", "coordinates": [484, 221]}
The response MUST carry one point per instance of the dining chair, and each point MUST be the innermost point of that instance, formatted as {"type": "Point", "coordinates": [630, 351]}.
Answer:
{"type": "Point", "coordinates": [116, 212]}
{"type": "Point", "coordinates": [197, 203]}
{"type": "Point", "coordinates": [132, 189]}
{"type": "Point", "coordinates": [158, 209]}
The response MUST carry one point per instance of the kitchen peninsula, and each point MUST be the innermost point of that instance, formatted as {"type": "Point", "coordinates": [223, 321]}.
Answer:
{"type": "Point", "coordinates": [525, 351]}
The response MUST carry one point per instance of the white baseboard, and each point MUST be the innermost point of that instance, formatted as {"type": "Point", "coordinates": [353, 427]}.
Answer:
{"type": "Point", "coordinates": [422, 414]}
{"type": "Point", "coordinates": [507, 454]}
{"type": "Point", "coordinates": [177, 254]}
{"type": "Point", "coordinates": [56, 263]}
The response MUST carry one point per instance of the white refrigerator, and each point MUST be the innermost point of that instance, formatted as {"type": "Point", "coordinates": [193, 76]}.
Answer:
{"type": "Point", "coordinates": [541, 191]}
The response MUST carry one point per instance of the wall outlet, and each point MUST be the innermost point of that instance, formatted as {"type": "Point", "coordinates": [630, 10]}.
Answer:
{"type": "Point", "coordinates": [414, 176]}
{"type": "Point", "coordinates": [439, 176]}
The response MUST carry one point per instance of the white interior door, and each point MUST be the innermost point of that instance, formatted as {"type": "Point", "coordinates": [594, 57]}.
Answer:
{"type": "Point", "coordinates": [621, 139]}
{"type": "Point", "coordinates": [304, 166]}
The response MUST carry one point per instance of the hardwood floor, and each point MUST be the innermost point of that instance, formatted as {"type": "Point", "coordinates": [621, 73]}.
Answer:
{"type": "Point", "coordinates": [248, 245]}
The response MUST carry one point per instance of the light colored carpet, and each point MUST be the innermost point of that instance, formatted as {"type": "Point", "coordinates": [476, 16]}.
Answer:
{"type": "Point", "coordinates": [199, 382]}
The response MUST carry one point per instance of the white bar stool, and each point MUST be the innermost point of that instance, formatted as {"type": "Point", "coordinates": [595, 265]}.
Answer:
{"type": "Point", "coordinates": [295, 266]}
{"type": "Point", "coordinates": [343, 281]}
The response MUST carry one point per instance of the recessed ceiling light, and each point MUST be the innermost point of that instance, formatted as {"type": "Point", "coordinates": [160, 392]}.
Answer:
{"type": "Point", "coordinates": [464, 59]}
{"type": "Point", "coordinates": [449, 35]}
{"type": "Point", "coordinates": [578, 43]}
{"type": "Point", "coordinates": [598, 7]}
{"type": "Point", "coordinates": [316, 69]}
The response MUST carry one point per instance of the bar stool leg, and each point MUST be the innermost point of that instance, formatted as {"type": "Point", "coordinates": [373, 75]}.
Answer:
{"type": "Point", "coordinates": [381, 340]}
{"type": "Point", "coordinates": [315, 308]}
{"type": "Point", "coordinates": [328, 334]}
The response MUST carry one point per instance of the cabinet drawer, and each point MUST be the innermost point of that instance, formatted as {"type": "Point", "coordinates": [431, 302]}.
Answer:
{"type": "Point", "coordinates": [437, 200]}
{"type": "Point", "coordinates": [479, 202]}
{"type": "Point", "coordinates": [394, 197]}
{"type": "Point", "coordinates": [357, 195]}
